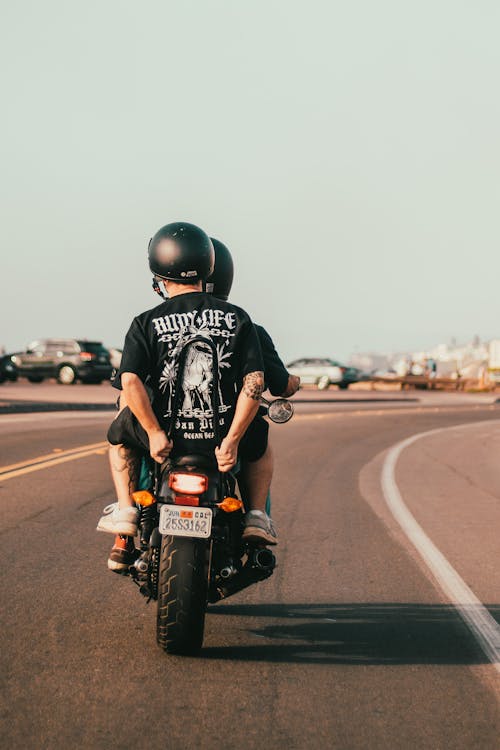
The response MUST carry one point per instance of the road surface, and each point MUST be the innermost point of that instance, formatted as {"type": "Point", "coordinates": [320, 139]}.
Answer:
{"type": "Point", "coordinates": [351, 644]}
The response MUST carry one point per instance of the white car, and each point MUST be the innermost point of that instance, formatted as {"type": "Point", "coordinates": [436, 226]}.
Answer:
{"type": "Point", "coordinates": [320, 372]}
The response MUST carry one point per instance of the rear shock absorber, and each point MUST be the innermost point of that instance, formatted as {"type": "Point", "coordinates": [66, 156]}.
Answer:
{"type": "Point", "coordinates": [146, 566]}
{"type": "Point", "coordinates": [148, 514]}
{"type": "Point", "coordinates": [147, 522]}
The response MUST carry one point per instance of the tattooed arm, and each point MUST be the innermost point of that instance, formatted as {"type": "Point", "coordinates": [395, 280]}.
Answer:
{"type": "Point", "coordinates": [247, 406]}
{"type": "Point", "coordinates": [253, 385]}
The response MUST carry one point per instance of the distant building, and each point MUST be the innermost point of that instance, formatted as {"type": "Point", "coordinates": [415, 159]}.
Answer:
{"type": "Point", "coordinates": [369, 361]}
{"type": "Point", "coordinates": [465, 359]}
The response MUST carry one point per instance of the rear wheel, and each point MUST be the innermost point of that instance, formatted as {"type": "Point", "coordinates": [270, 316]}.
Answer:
{"type": "Point", "coordinates": [35, 378]}
{"type": "Point", "coordinates": [343, 386]}
{"type": "Point", "coordinates": [182, 594]}
{"type": "Point", "coordinates": [66, 375]}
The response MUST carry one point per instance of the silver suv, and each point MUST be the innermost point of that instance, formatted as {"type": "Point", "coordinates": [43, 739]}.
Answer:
{"type": "Point", "coordinates": [68, 360]}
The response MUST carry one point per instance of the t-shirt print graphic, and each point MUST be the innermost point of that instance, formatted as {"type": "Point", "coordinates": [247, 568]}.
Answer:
{"type": "Point", "coordinates": [196, 411]}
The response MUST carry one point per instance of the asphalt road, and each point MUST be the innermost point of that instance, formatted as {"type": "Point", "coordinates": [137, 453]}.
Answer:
{"type": "Point", "coordinates": [351, 644]}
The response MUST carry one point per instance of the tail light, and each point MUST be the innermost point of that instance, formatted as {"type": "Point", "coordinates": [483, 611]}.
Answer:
{"type": "Point", "coordinates": [87, 356]}
{"type": "Point", "coordinates": [188, 484]}
{"type": "Point", "coordinates": [187, 487]}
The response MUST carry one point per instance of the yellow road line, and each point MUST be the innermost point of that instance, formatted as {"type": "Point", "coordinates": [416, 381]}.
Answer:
{"type": "Point", "coordinates": [44, 462]}
{"type": "Point", "coordinates": [49, 456]}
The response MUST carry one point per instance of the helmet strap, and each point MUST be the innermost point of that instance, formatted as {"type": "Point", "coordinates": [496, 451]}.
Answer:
{"type": "Point", "coordinates": [157, 288]}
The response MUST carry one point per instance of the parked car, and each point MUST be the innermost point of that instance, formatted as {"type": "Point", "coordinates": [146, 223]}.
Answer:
{"type": "Point", "coordinates": [8, 369]}
{"type": "Point", "coordinates": [324, 372]}
{"type": "Point", "coordinates": [68, 360]}
{"type": "Point", "coordinates": [351, 375]}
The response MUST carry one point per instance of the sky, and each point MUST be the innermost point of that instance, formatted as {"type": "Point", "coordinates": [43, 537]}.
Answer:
{"type": "Point", "coordinates": [347, 153]}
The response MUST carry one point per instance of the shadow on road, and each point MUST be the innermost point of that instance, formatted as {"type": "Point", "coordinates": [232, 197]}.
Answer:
{"type": "Point", "coordinates": [355, 634]}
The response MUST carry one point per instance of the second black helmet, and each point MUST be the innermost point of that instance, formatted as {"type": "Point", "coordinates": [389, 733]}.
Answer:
{"type": "Point", "coordinates": [219, 283]}
{"type": "Point", "coordinates": [181, 252]}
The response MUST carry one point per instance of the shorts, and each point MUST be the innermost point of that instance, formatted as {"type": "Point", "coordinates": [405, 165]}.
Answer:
{"type": "Point", "coordinates": [253, 444]}
{"type": "Point", "coordinates": [127, 429]}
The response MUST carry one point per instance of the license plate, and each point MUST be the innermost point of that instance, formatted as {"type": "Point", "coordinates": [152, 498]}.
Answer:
{"type": "Point", "coordinates": [184, 520]}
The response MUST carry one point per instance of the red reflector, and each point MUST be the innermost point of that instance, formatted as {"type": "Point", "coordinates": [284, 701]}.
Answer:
{"type": "Point", "coordinates": [186, 500]}
{"type": "Point", "coordinates": [188, 484]}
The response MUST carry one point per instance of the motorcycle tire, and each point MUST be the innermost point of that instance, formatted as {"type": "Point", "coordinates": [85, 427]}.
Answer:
{"type": "Point", "coordinates": [182, 594]}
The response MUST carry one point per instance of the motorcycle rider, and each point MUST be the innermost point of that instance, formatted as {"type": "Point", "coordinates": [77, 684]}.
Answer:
{"type": "Point", "coordinates": [255, 454]}
{"type": "Point", "coordinates": [181, 257]}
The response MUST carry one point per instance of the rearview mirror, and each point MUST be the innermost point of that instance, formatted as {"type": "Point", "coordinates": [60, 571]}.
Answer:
{"type": "Point", "coordinates": [280, 410]}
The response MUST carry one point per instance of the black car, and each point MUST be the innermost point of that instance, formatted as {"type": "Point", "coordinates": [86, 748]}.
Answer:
{"type": "Point", "coordinates": [68, 360]}
{"type": "Point", "coordinates": [350, 375]}
{"type": "Point", "coordinates": [8, 369]}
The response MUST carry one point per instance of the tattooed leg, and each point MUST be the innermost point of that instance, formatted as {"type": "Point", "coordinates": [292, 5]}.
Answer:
{"type": "Point", "coordinates": [125, 467]}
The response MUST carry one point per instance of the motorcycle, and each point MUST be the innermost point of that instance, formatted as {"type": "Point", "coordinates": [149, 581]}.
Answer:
{"type": "Point", "coordinates": [191, 547]}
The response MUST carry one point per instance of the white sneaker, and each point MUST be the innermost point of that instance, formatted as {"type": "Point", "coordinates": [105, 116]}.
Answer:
{"type": "Point", "coordinates": [119, 521]}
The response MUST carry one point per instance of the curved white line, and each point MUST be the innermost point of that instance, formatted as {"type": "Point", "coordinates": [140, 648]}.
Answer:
{"type": "Point", "coordinates": [483, 626]}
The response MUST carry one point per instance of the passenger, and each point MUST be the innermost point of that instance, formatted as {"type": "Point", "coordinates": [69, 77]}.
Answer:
{"type": "Point", "coordinates": [256, 473]}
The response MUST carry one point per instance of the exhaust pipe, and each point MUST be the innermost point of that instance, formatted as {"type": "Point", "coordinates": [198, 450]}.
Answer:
{"type": "Point", "coordinates": [263, 559]}
{"type": "Point", "coordinates": [259, 566]}
{"type": "Point", "coordinates": [228, 572]}
{"type": "Point", "coordinates": [141, 565]}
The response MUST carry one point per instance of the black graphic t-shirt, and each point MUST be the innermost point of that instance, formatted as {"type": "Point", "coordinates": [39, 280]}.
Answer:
{"type": "Point", "coordinates": [203, 329]}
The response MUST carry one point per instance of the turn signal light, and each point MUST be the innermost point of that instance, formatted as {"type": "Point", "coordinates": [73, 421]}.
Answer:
{"type": "Point", "coordinates": [188, 484]}
{"type": "Point", "coordinates": [230, 504]}
{"type": "Point", "coordinates": [144, 498]}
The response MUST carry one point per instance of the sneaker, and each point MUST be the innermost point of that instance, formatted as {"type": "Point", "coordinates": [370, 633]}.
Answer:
{"type": "Point", "coordinates": [119, 520]}
{"type": "Point", "coordinates": [259, 528]}
{"type": "Point", "coordinates": [123, 554]}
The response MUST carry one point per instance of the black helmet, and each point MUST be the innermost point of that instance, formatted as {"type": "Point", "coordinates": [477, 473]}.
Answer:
{"type": "Point", "coordinates": [220, 282]}
{"type": "Point", "coordinates": [181, 252]}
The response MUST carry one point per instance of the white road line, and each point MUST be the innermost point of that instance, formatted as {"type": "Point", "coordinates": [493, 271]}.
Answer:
{"type": "Point", "coordinates": [483, 626]}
